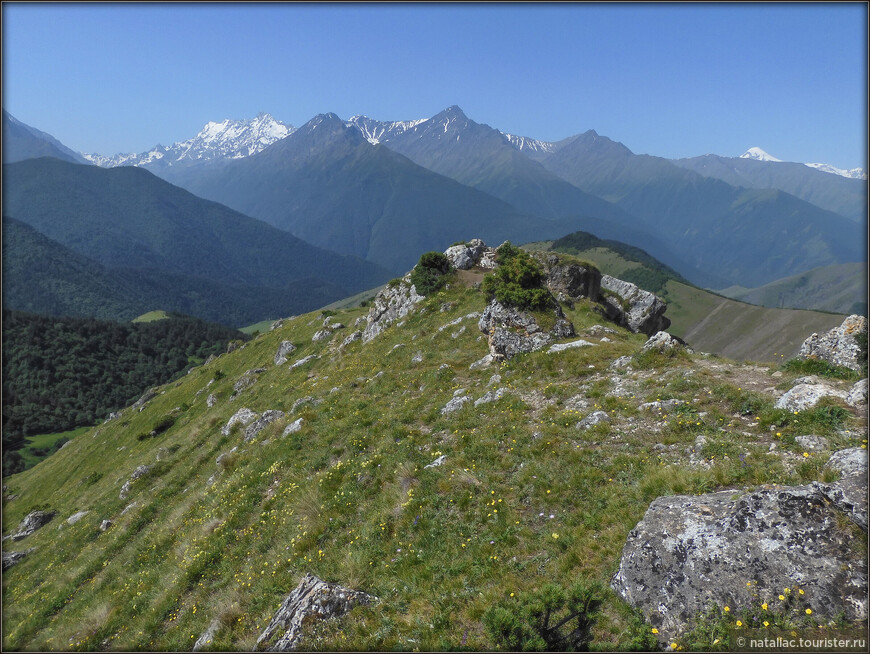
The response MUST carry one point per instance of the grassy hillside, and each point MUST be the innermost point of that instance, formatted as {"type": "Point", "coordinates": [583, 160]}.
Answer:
{"type": "Point", "coordinates": [151, 316]}
{"type": "Point", "coordinates": [841, 288]}
{"type": "Point", "coordinates": [707, 321]}
{"type": "Point", "coordinates": [523, 497]}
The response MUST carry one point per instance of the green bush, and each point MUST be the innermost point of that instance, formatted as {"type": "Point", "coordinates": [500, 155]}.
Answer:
{"type": "Point", "coordinates": [518, 281]}
{"type": "Point", "coordinates": [552, 619]}
{"type": "Point", "coordinates": [428, 276]}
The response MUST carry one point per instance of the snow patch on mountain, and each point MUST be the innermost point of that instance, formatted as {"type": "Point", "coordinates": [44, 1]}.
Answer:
{"type": "Point", "coordinates": [758, 154]}
{"type": "Point", "coordinates": [529, 145]}
{"type": "Point", "coordinates": [854, 173]}
{"type": "Point", "coordinates": [227, 139]}
{"type": "Point", "coordinates": [376, 131]}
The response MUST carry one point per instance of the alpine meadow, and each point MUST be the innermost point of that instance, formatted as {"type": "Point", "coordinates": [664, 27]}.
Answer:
{"type": "Point", "coordinates": [403, 380]}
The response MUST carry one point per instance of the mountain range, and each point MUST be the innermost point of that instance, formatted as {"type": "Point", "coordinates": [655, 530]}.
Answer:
{"type": "Point", "coordinates": [387, 190]}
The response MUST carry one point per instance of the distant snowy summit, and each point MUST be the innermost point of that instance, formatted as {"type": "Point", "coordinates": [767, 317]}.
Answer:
{"type": "Point", "coordinates": [760, 155]}
{"type": "Point", "coordinates": [854, 173]}
{"type": "Point", "coordinates": [523, 143]}
{"type": "Point", "coordinates": [228, 139]}
{"type": "Point", "coordinates": [376, 131]}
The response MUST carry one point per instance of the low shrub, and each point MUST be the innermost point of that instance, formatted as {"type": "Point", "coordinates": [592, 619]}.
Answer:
{"type": "Point", "coordinates": [428, 276]}
{"type": "Point", "coordinates": [518, 281]}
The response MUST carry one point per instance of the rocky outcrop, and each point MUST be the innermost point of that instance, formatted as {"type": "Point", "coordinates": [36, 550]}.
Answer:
{"type": "Point", "coordinates": [806, 396]}
{"type": "Point", "coordinates": [284, 350]}
{"type": "Point", "coordinates": [31, 522]}
{"type": "Point", "coordinates": [138, 472]}
{"type": "Point", "coordinates": [838, 346]}
{"type": "Point", "coordinates": [247, 380]}
{"type": "Point", "coordinates": [475, 252]}
{"type": "Point", "coordinates": [512, 331]}
{"type": "Point", "coordinates": [75, 517]}
{"type": "Point", "coordinates": [571, 281]}
{"type": "Point", "coordinates": [207, 636]}
{"type": "Point", "coordinates": [304, 360]}
{"type": "Point", "coordinates": [13, 558]}
{"type": "Point", "coordinates": [392, 303]}
{"type": "Point", "coordinates": [322, 335]}
{"type": "Point", "coordinates": [688, 551]}
{"type": "Point", "coordinates": [355, 336]}
{"type": "Point", "coordinates": [663, 342]}
{"type": "Point", "coordinates": [594, 418]}
{"type": "Point", "coordinates": [638, 310]}
{"type": "Point", "coordinates": [313, 599]}
{"type": "Point", "coordinates": [858, 393]}
{"type": "Point", "coordinates": [244, 416]}
{"type": "Point", "coordinates": [146, 397]}
{"type": "Point", "coordinates": [456, 402]}
{"type": "Point", "coordinates": [293, 427]}
{"type": "Point", "coordinates": [262, 422]}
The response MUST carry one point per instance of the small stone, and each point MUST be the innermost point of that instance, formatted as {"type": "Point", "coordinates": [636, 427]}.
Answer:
{"type": "Point", "coordinates": [437, 462]}
{"type": "Point", "coordinates": [594, 418]}
{"type": "Point", "coordinates": [284, 350]}
{"type": "Point", "coordinates": [106, 524]}
{"type": "Point", "coordinates": [293, 427]}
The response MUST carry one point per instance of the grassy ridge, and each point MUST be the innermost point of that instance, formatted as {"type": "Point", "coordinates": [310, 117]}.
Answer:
{"type": "Point", "coordinates": [523, 497]}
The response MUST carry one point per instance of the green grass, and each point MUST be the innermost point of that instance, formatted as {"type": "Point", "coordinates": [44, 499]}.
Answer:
{"type": "Point", "coordinates": [349, 497]}
{"type": "Point", "coordinates": [259, 327]}
{"type": "Point", "coordinates": [46, 444]}
{"type": "Point", "coordinates": [151, 316]}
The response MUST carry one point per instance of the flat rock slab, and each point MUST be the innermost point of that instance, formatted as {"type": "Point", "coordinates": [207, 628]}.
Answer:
{"type": "Point", "coordinates": [688, 551]}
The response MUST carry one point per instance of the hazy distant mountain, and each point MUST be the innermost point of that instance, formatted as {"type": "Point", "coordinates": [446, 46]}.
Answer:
{"type": "Point", "coordinates": [477, 155]}
{"type": "Point", "coordinates": [228, 139]}
{"type": "Point", "coordinates": [841, 288]}
{"type": "Point", "coordinates": [128, 218]}
{"type": "Point", "coordinates": [330, 186]}
{"type": "Point", "coordinates": [752, 235]}
{"type": "Point", "coordinates": [21, 141]}
{"type": "Point", "coordinates": [847, 197]}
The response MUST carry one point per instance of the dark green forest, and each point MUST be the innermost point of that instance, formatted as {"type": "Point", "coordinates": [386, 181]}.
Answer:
{"type": "Point", "coordinates": [62, 373]}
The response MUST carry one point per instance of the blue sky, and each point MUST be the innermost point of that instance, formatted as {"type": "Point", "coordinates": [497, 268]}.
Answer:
{"type": "Point", "coordinates": [670, 80]}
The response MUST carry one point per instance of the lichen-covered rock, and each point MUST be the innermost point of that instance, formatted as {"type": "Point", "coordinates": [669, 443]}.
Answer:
{"type": "Point", "coordinates": [262, 422]}
{"type": "Point", "coordinates": [594, 418]}
{"type": "Point", "coordinates": [293, 427]}
{"type": "Point", "coordinates": [812, 442]}
{"type": "Point", "coordinates": [851, 498]}
{"type": "Point", "coordinates": [284, 350]}
{"type": "Point", "coordinates": [211, 400]}
{"type": "Point", "coordinates": [806, 396]}
{"type": "Point", "coordinates": [561, 347]}
{"type": "Point", "coordinates": [454, 404]}
{"type": "Point", "coordinates": [858, 393]}
{"type": "Point", "coordinates": [304, 360]}
{"type": "Point", "coordinates": [390, 304]}
{"type": "Point", "coordinates": [355, 336]}
{"type": "Point", "coordinates": [12, 558]}
{"type": "Point", "coordinates": [244, 416]}
{"type": "Point", "coordinates": [146, 397]}
{"type": "Point", "coordinates": [689, 551]}
{"type": "Point", "coordinates": [639, 310]}
{"type": "Point", "coordinates": [571, 281]}
{"type": "Point", "coordinates": [247, 380]}
{"type": "Point", "coordinates": [512, 331]}
{"type": "Point", "coordinates": [321, 335]}
{"type": "Point", "coordinates": [75, 517]}
{"type": "Point", "coordinates": [466, 255]}
{"type": "Point", "coordinates": [140, 471]}
{"type": "Point", "coordinates": [491, 396]}
{"type": "Point", "coordinates": [31, 522]}
{"type": "Point", "coordinates": [837, 346]}
{"type": "Point", "coordinates": [313, 599]}
{"type": "Point", "coordinates": [662, 341]}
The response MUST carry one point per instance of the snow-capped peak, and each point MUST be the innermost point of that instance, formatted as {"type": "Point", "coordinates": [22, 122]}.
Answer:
{"type": "Point", "coordinates": [854, 173]}
{"type": "Point", "coordinates": [758, 154]}
{"type": "Point", "coordinates": [227, 139]}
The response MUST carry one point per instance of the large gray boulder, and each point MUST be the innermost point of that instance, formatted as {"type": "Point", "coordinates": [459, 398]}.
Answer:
{"type": "Point", "coordinates": [639, 310]}
{"type": "Point", "coordinates": [838, 346]}
{"type": "Point", "coordinates": [244, 416]}
{"type": "Point", "coordinates": [261, 423]}
{"type": "Point", "coordinates": [512, 331]}
{"type": "Point", "coordinates": [806, 396]}
{"type": "Point", "coordinates": [688, 551]}
{"type": "Point", "coordinates": [31, 522]}
{"type": "Point", "coordinates": [571, 281]}
{"type": "Point", "coordinates": [391, 304]}
{"type": "Point", "coordinates": [466, 255]}
{"type": "Point", "coordinates": [313, 599]}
